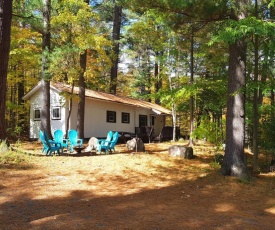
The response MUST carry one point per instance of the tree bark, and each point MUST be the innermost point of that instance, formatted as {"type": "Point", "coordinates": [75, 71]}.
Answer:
{"type": "Point", "coordinates": [81, 93]}
{"type": "Point", "coordinates": [5, 31]}
{"type": "Point", "coordinates": [234, 157]}
{"type": "Point", "coordinates": [158, 82]}
{"type": "Point", "coordinates": [191, 142]}
{"type": "Point", "coordinates": [70, 110]}
{"type": "Point", "coordinates": [116, 37]}
{"type": "Point", "coordinates": [20, 94]}
{"type": "Point", "coordinates": [81, 104]}
{"type": "Point", "coordinates": [255, 118]}
{"type": "Point", "coordinates": [234, 162]}
{"type": "Point", "coordinates": [46, 43]}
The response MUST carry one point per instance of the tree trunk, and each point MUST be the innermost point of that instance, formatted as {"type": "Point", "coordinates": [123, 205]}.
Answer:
{"type": "Point", "coordinates": [20, 94]}
{"type": "Point", "coordinates": [174, 110]}
{"type": "Point", "coordinates": [148, 75]}
{"type": "Point", "coordinates": [5, 30]}
{"type": "Point", "coordinates": [116, 37]}
{"type": "Point", "coordinates": [174, 120]}
{"type": "Point", "coordinates": [255, 138]}
{"type": "Point", "coordinates": [81, 104]}
{"type": "Point", "coordinates": [46, 42]}
{"type": "Point", "coordinates": [81, 85]}
{"type": "Point", "coordinates": [234, 162]}
{"type": "Point", "coordinates": [234, 158]}
{"type": "Point", "coordinates": [158, 82]}
{"type": "Point", "coordinates": [191, 142]}
{"type": "Point", "coordinates": [272, 95]}
{"type": "Point", "coordinates": [12, 116]}
{"type": "Point", "coordinates": [70, 110]}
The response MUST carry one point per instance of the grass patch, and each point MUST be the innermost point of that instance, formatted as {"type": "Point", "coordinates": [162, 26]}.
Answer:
{"type": "Point", "coordinates": [215, 165]}
{"type": "Point", "coordinates": [12, 157]}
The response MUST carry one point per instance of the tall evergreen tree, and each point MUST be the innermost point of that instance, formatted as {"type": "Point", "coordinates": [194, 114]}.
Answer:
{"type": "Point", "coordinates": [46, 46]}
{"type": "Point", "coordinates": [116, 37]}
{"type": "Point", "coordinates": [81, 84]}
{"type": "Point", "coordinates": [234, 162]}
{"type": "Point", "coordinates": [5, 30]}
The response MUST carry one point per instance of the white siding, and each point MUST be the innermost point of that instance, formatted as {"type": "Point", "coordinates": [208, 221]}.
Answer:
{"type": "Point", "coordinates": [96, 118]}
{"type": "Point", "coordinates": [96, 124]}
{"type": "Point", "coordinates": [35, 102]}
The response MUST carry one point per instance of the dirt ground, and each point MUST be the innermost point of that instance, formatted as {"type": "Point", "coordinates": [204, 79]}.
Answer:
{"type": "Point", "coordinates": [128, 190]}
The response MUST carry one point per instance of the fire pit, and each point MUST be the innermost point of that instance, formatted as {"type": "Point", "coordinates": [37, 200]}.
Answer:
{"type": "Point", "coordinates": [78, 149]}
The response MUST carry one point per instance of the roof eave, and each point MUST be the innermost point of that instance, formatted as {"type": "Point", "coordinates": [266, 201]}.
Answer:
{"type": "Point", "coordinates": [35, 89]}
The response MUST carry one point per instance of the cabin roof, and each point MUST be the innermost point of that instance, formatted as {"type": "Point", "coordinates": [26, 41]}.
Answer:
{"type": "Point", "coordinates": [62, 87]}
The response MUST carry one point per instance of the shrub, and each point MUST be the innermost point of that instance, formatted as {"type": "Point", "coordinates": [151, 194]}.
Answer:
{"type": "Point", "coordinates": [3, 147]}
{"type": "Point", "coordinates": [7, 156]}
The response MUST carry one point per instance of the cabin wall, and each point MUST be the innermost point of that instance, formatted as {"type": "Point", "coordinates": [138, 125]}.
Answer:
{"type": "Point", "coordinates": [96, 124]}
{"type": "Point", "coordinates": [56, 102]}
{"type": "Point", "coordinates": [158, 124]}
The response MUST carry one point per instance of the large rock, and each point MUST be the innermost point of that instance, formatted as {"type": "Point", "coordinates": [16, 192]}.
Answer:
{"type": "Point", "coordinates": [135, 144]}
{"type": "Point", "coordinates": [92, 144]}
{"type": "Point", "coordinates": [181, 151]}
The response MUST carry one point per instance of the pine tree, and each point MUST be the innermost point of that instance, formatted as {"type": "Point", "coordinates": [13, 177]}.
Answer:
{"type": "Point", "coordinates": [5, 30]}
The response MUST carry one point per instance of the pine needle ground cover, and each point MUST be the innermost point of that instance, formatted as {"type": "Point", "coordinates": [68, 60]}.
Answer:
{"type": "Point", "coordinates": [129, 190]}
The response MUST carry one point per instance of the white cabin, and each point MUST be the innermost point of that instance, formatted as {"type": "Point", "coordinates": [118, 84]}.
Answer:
{"type": "Point", "coordinates": [103, 112]}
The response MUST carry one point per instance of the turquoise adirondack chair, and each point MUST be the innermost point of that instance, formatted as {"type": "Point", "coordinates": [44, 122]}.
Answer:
{"type": "Point", "coordinates": [59, 138]}
{"type": "Point", "coordinates": [74, 140]}
{"type": "Point", "coordinates": [103, 144]}
{"type": "Point", "coordinates": [113, 142]}
{"type": "Point", "coordinates": [49, 146]}
{"type": "Point", "coordinates": [41, 137]}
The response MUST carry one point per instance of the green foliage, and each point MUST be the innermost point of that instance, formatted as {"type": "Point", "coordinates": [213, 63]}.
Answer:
{"type": "Point", "coordinates": [267, 129]}
{"type": "Point", "coordinates": [16, 132]}
{"type": "Point", "coordinates": [75, 30]}
{"type": "Point", "coordinates": [65, 63]}
{"type": "Point", "coordinates": [209, 130]}
{"type": "Point", "coordinates": [8, 156]}
{"type": "Point", "coordinates": [215, 165]}
{"type": "Point", "coordinates": [235, 30]}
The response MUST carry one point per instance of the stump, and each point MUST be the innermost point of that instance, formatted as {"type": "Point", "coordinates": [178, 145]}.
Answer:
{"type": "Point", "coordinates": [92, 144]}
{"type": "Point", "coordinates": [181, 151]}
{"type": "Point", "coordinates": [135, 144]}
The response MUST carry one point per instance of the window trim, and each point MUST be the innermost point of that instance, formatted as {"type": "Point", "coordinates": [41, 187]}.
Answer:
{"type": "Point", "coordinates": [141, 117]}
{"type": "Point", "coordinates": [56, 117]}
{"type": "Point", "coordinates": [35, 110]}
{"type": "Point", "coordinates": [111, 116]}
{"type": "Point", "coordinates": [152, 120]}
{"type": "Point", "coordinates": [125, 118]}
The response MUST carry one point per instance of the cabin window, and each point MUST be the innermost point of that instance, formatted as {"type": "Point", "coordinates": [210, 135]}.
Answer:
{"type": "Point", "coordinates": [152, 121]}
{"type": "Point", "coordinates": [125, 117]}
{"type": "Point", "coordinates": [142, 120]}
{"type": "Point", "coordinates": [111, 116]}
{"type": "Point", "coordinates": [56, 113]}
{"type": "Point", "coordinates": [36, 114]}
